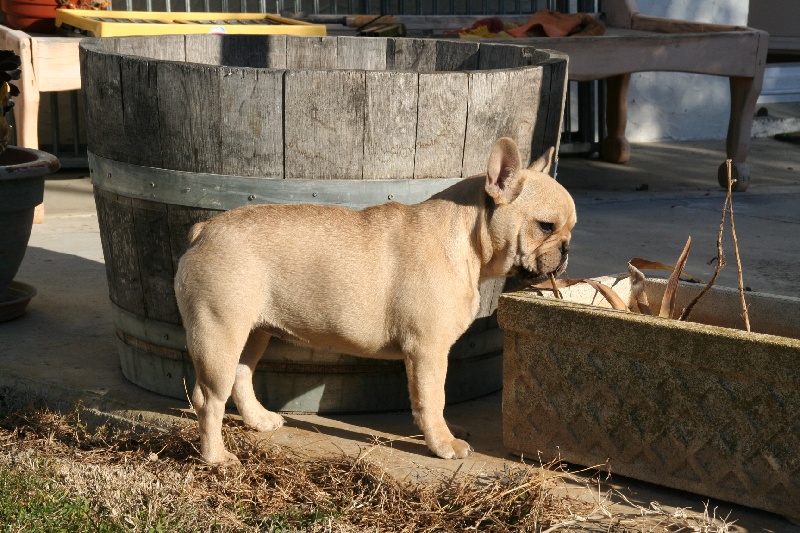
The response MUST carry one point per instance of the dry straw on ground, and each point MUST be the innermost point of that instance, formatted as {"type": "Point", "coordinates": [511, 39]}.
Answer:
{"type": "Point", "coordinates": [139, 481]}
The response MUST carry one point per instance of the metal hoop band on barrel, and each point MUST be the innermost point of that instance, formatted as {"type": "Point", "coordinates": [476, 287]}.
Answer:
{"type": "Point", "coordinates": [223, 192]}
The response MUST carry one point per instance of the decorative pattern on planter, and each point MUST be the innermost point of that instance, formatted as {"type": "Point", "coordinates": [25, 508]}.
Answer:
{"type": "Point", "coordinates": [706, 409]}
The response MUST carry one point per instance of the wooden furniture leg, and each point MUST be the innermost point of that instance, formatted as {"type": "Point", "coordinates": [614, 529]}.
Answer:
{"type": "Point", "coordinates": [615, 147]}
{"type": "Point", "coordinates": [744, 93]}
{"type": "Point", "coordinates": [26, 118]}
{"type": "Point", "coordinates": [26, 109]}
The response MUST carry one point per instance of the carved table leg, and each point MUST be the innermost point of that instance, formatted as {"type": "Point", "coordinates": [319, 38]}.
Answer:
{"type": "Point", "coordinates": [26, 117]}
{"type": "Point", "coordinates": [744, 93]}
{"type": "Point", "coordinates": [26, 108]}
{"type": "Point", "coordinates": [615, 147]}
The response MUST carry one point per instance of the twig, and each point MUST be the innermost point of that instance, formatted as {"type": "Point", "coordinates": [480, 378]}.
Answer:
{"type": "Point", "coordinates": [560, 525]}
{"type": "Point", "coordinates": [188, 396]}
{"type": "Point", "coordinates": [607, 292]}
{"type": "Point", "coordinates": [556, 292]}
{"type": "Point", "coordinates": [720, 261]}
{"type": "Point", "coordinates": [745, 314]}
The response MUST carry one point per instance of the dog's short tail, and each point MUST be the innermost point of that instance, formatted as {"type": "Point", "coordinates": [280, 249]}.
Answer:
{"type": "Point", "coordinates": [195, 232]}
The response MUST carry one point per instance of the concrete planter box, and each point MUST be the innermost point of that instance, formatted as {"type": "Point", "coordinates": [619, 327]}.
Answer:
{"type": "Point", "coordinates": [699, 407]}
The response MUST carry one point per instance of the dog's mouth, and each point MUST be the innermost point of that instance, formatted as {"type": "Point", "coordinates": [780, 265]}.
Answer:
{"type": "Point", "coordinates": [523, 274]}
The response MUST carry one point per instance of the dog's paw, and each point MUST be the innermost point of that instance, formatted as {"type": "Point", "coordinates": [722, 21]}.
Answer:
{"type": "Point", "coordinates": [222, 459]}
{"type": "Point", "coordinates": [454, 449]}
{"type": "Point", "coordinates": [264, 421]}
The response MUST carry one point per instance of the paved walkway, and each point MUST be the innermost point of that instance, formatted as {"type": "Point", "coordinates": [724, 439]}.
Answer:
{"type": "Point", "coordinates": [64, 349]}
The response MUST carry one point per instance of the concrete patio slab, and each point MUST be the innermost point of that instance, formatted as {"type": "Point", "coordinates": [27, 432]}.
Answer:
{"type": "Point", "coordinates": [63, 349]}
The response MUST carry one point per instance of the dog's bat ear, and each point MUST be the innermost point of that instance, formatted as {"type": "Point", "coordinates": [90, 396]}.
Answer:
{"type": "Point", "coordinates": [503, 183]}
{"type": "Point", "coordinates": [544, 162]}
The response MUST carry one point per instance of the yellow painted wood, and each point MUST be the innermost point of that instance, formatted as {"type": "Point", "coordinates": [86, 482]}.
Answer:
{"type": "Point", "coordinates": [127, 23]}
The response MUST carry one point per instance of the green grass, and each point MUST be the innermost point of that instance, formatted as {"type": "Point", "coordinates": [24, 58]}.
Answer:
{"type": "Point", "coordinates": [29, 502]}
{"type": "Point", "coordinates": [294, 519]}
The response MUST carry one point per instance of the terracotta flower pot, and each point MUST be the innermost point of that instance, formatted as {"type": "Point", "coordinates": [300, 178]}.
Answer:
{"type": "Point", "coordinates": [22, 173]}
{"type": "Point", "coordinates": [36, 16]}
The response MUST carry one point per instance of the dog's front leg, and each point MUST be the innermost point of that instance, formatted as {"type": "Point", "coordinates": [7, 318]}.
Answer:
{"type": "Point", "coordinates": [426, 387]}
{"type": "Point", "coordinates": [253, 413]}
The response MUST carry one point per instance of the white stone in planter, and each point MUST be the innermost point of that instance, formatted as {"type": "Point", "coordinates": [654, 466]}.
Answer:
{"type": "Point", "coordinates": [703, 408]}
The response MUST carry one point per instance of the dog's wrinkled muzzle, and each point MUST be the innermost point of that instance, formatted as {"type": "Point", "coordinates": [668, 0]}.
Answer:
{"type": "Point", "coordinates": [523, 274]}
{"type": "Point", "coordinates": [546, 267]}
{"type": "Point", "coordinates": [562, 266]}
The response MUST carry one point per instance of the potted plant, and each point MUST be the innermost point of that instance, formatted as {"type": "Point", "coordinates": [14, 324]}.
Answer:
{"type": "Point", "coordinates": [39, 16]}
{"type": "Point", "coordinates": [22, 173]}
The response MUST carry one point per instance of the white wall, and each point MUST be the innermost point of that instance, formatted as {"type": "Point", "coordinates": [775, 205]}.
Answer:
{"type": "Point", "coordinates": [677, 105]}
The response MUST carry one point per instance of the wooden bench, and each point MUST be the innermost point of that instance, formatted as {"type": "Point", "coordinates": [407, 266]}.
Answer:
{"type": "Point", "coordinates": [638, 43]}
{"type": "Point", "coordinates": [632, 43]}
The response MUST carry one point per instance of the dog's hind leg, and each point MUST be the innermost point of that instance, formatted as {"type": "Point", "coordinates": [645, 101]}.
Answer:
{"type": "Point", "coordinates": [426, 388]}
{"type": "Point", "coordinates": [215, 351]}
{"type": "Point", "coordinates": [253, 413]}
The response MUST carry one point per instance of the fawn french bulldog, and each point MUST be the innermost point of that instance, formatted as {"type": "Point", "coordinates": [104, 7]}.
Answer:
{"type": "Point", "coordinates": [390, 281]}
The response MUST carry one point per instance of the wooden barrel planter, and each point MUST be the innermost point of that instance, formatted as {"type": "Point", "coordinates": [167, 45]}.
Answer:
{"type": "Point", "coordinates": [183, 127]}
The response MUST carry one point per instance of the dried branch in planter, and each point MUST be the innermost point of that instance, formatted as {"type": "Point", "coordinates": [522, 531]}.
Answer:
{"type": "Point", "coordinates": [727, 207]}
{"type": "Point", "coordinates": [638, 290]}
{"type": "Point", "coordinates": [668, 302]}
{"type": "Point", "coordinates": [720, 261]}
{"type": "Point", "coordinates": [556, 292]}
{"type": "Point", "coordinates": [607, 292]}
{"type": "Point", "coordinates": [745, 314]}
{"type": "Point", "coordinates": [644, 264]}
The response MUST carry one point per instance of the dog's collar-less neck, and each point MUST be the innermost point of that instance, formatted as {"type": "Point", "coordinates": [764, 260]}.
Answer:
{"type": "Point", "coordinates": [484, 240]}
{"type": "Point", "coordinates": [490, 206]}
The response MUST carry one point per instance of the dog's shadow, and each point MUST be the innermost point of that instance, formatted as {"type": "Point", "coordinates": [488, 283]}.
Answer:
{"type": "Point", "coordinates": [398, 436]}
{"type": "Point", "coordinates": [396, 429]}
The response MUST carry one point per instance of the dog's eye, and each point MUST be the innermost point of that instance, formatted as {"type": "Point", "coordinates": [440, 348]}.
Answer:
{"type": "Point", "coordinates": [547, 227]}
